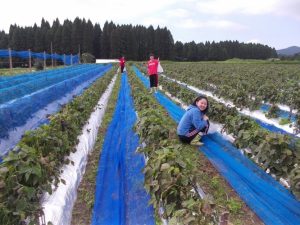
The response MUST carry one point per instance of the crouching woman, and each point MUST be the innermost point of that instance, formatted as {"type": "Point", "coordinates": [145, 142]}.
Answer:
{"type": "Point", "coordinates": [193, 122]}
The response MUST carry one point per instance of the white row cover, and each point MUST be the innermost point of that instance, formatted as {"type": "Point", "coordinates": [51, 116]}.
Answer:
{"type": "Point", "coordinates": [58, 206]}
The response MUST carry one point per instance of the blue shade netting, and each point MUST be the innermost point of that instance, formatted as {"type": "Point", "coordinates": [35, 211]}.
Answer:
{"type": "Point", "coordinates": [120, 196]}
{"type": "Point", "coordinates": [66, 59]}
{"type": "Point", "coordinates": [27, 86]}
{"type": "Point", "coordinates": [16, 113]}
{"type": "Point", "coordinates": [9, 81]}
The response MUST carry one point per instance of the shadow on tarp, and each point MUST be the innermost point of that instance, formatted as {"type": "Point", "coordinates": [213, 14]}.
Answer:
{"type": "Point", "coordinates": [120, 196]}
{"type": "Point", "coordinates": [264, 195]}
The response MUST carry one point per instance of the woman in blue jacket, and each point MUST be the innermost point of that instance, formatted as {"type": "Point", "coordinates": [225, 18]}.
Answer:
{"type": "Point", "coordinates": [194, 121]}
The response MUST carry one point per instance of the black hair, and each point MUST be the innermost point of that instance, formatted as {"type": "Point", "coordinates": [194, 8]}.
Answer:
{"type": "Point", "coordinates": [151, 54]}
{"type": "Point", "coordinates": [198, 99]}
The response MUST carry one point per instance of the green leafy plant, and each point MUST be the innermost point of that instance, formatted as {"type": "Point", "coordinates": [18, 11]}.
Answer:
{"type": "Point", "coordinates": [284, 121]}
{"type": "Point", "coordinates": [273, 112]}
{"type": "Point", "coordinates": [234, 206]}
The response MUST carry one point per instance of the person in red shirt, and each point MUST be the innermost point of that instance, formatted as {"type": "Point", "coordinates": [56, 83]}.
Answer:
{"type": "Point", "coordinates": [122, 63]}
{"type": "Point", "coordinates": [152, 73]}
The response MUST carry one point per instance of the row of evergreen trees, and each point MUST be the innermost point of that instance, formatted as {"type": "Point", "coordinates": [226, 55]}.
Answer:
{"type": "Point", "coordinates": [134, 42]}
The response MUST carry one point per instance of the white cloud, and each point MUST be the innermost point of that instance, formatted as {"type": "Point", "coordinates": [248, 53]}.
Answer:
{"type": "Point", "coordinates": [224, 24]}
{"type": "Point", "coordinates": [189, 23]}
{"type": "Point", "coordinates": [177, 13]}
{"type": "Point", "coordinates": [254, 41]}
{"type": "Point", "coordinates": [186, 19]}
{"type": "Point", "coordinates": [216, 24]}
{"type": "Point", "coordinates": [290, 8]}
{"type": "Point", "coordinates": [223, 7]}
{"type": "Point", "coordinates": [30, 11]}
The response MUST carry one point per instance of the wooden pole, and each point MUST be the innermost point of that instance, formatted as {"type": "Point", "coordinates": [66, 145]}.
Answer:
{"type": "Point", "coordinates": [10, 59]}
{"type": "Point", "coordinates": [55, 59]}
{"type": "Point", "coordinates": [79, 54]}
{"type": "Point", "coordinates": [29, 58]}
{"type": "Point", "coordinates": [51, 54]}
{"type": "Point", "coordinates": [44, 60]}
{"type": "Point", "coordinates": [71, 59]}
{"type": "Point", "coordinates": [64, 59]}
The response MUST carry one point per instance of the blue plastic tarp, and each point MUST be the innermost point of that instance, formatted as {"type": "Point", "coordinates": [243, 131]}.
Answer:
{"type": "Point", "coordinates": [120, 196]}
{"type": "Point", "coordinates": [265, 196]}
{"type": "Point", "coordinates": [281, 113]}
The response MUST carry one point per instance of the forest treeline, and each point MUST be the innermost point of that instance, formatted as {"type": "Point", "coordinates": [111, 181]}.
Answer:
{"type": "Point", "coordinates": [135, 42]}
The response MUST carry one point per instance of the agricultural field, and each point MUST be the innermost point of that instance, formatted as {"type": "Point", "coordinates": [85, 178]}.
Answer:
{"type": "Point", "coordinates": [33, 166]}
{"type": "Point", "coordinates": [275, 153]}
{"type": "Point", "coordinates": [249, 133]}
{"type": "Point", "coordinates": [272, 89]}
{"type": "Point", "coordinates": [246, 85]}
{"type": "Point", "coordinates": [121, 142]}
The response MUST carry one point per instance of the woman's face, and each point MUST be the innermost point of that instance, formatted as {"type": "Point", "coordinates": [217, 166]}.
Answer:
{"type": "Point", "coordinates": [202, 104]}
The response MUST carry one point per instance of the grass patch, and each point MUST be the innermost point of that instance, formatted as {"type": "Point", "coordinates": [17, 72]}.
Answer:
{"type": "Point", "coordinates": [284, 121]}
{"type": "Point", "coordinates": [14, 71]}
{"type": "Point", "coordinates": [234, 205]}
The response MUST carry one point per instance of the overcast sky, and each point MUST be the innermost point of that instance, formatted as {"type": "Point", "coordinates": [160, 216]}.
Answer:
{"type": "Point", "coordinates": [272, 22]}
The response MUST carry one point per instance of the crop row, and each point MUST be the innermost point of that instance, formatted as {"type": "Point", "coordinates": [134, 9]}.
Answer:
{"type": "Point", "coordinates": [280, 154]}
{"type": "Point", "coordinates": [34, 165]}
{"type": "Point", "coordinates": [246, 85]}
{"type": "Point", "coordinates": [173, 170]}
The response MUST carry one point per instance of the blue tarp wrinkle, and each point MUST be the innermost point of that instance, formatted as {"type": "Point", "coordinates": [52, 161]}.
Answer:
{"type": "Point", "coordinates": [16, 112]}
{"type": "Point", "coordinates": [265, 196]}
{"type": "Point", "coordinates": [120, 196]}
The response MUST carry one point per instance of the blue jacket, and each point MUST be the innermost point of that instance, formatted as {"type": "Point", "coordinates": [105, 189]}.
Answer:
{"type": "Point", "coordinates": [192, 119]}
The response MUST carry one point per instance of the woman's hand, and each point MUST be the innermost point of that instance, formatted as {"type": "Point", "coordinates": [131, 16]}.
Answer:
{"type": "Point", "coordinates": [205, 117]}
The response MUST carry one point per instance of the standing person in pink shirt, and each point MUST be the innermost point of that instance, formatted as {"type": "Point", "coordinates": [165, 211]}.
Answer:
{"type": "Point", "coordinates": [122, 63]}
{"type": "Point", "coordinates": [152, 73]}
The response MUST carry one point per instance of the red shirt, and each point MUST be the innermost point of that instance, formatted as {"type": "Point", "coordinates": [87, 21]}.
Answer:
{"type": "Point", "coordinates": [152, 66]}
{"type": "Point", "coordinates": [122, 62]}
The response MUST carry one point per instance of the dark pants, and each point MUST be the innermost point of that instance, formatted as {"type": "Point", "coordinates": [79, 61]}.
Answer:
{"type": "Point", "coordinates": [153, 80]}
{"type": "Point", "coordinates": [122, 69]}
{"type": "Point", "coordinates": [193, 132]}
